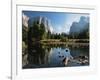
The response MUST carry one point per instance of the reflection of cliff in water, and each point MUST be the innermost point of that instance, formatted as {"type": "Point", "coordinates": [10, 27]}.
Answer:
{"type": "Point", "coordinates": [79, 50]}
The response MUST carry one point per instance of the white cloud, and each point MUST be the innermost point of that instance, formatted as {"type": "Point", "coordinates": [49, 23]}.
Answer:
{"type": "Point", "coordinates": [57, 29]}
{"type": "Point", "coordinates": [60, 29]}
{"type": "Point", "coordinates": [51, 29]}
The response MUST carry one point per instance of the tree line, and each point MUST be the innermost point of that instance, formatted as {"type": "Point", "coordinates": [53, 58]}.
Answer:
{"type": "Point", "coordinates": [38, 32]}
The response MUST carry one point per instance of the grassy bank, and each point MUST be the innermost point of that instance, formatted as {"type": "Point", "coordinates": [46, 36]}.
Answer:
{"type": "Point", "coordinates": [65, 41]}
{"type": "Point", "coordinates": [68, 41]}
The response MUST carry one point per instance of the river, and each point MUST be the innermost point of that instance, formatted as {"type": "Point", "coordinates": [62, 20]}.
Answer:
{"type": "Point", "coordinates": [47, 56]}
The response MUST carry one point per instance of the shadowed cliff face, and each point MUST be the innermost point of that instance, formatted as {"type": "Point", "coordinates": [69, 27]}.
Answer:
{"type": "Point", "coordinates": [79, 27]}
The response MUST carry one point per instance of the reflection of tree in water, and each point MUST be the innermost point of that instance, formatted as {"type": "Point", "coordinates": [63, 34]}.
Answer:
{"type": "Point", "coordinates": [36, 54]}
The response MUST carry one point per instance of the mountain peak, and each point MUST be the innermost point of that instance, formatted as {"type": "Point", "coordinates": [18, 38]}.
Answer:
{"type": "Point", "coordinates": [80, 26]}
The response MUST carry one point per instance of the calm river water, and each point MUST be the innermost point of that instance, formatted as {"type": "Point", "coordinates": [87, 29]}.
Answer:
{"type": "Point", "coordinates": [42, 56]}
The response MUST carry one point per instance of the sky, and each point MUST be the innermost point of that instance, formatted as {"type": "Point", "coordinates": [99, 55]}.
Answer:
{"type": "Point", "coordinates": [60, 21]}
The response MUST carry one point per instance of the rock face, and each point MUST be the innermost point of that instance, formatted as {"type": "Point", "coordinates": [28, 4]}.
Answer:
{"type": "Point", "coordinates": [78, 27]}
{"type": "Point", "coordinates": [25, 20]}
{"type": "Point", "coordinates": [43, 20]}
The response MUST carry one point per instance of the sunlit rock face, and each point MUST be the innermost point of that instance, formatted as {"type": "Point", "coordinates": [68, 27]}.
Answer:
{"type": "Point", "coordinates": [24, 38]}
{"type": "Point", "coordinates": [25, 20]}
{"type": "Point", "coordinates": [43, 20]}
{"type": "Point", "coordinates": [78, 27]}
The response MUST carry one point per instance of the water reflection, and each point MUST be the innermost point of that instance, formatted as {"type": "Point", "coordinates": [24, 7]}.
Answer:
{"type": "Point", "coordinates": [41, 56]}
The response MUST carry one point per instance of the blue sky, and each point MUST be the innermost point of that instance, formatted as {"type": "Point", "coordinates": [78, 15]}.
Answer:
{"type": "Point", "coordinates": [60, 21]}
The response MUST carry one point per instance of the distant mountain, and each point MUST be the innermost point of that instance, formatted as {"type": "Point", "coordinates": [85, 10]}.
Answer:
{"type": "Point", "coordinates": [79, 27]}
{"type": "Point", "coordinates": [39, 20]}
